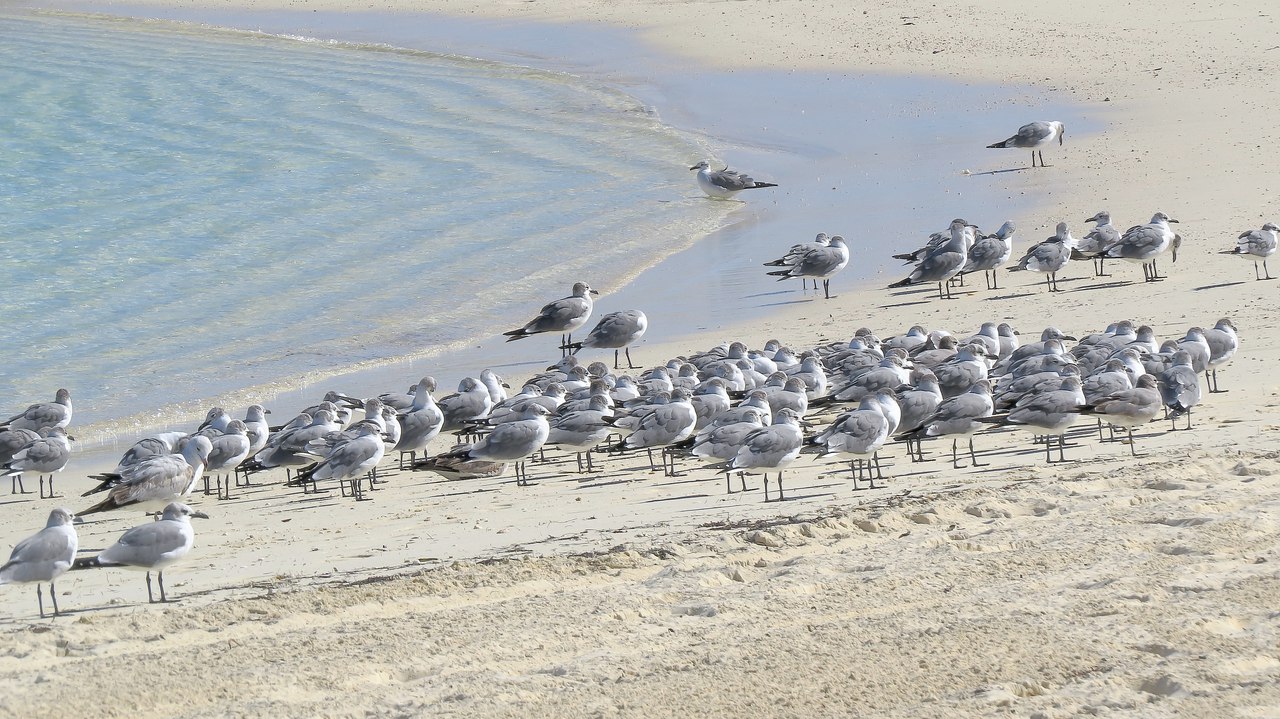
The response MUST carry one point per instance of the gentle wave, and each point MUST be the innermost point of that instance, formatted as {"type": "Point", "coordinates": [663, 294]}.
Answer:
{"type": "Point", "coordinates": [191, 213]}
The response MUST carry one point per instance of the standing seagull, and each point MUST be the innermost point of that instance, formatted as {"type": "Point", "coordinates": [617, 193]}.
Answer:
{"type": "Point", "coordinates": [46, 455]}
{"type": "Point", "coordinates": [511, 441]}
{"type": "Point", "coordinates": [350, 459]}
{"type": "Point", "coordinates": [44, 556]}
{"type": "Point", "coordinates": [1257, 245]}
{"type": "Point", "coordinates": [945, 262]}
{"type": "Point", "coordinates": [1223, 343]}
{"type": "Point", "coordinates": [162, 478]}
{"type": "Point", "coordinates": [615, 331]}
{"type": "Point", "coordinates": [1144, 243]}
{"type": "Point", "coordinates": [724, 183]}
{"type": "Point", "coordinates": [153, 545]}
{"type": "Point", "coordinates": [1180, 388]}
{"type": "Point", "coordinates": [563, 316]}
{"type": "Point", "coordinates": [990, 253]}
{"type": "Point", "coordinates": [1095, 244]}
{"type": "Point", "coordinates": [820, 263]}
{"type": "Point", "coordinates": [1049, 256]}
{"type": "Point", "coordinates": [44, 414]}
{"type": "Point", "coordinates": [1034, 135]}
{"type": "Point", "coordinates": [797, 251]}
{"type": "Point", "coordinates": [772, 447]}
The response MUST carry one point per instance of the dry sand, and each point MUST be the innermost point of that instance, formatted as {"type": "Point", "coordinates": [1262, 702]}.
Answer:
{"type": "Point", "coordinates": [1106, 585]}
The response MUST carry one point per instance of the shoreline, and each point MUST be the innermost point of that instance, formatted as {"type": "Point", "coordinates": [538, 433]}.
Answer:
{"type": "Point", "coordinates": [747, 292]}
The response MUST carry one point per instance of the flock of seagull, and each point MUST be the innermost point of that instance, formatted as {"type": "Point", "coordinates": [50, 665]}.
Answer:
{"type": "Point", "coordinates": [736, 410]}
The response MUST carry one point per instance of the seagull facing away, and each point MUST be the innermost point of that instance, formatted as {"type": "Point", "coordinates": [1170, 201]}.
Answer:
{"type": "Point", "coordinates": [44, 556]}
{"type": "Point", "coordinates": [1049, 256]}
{"type": "Point", "coordinates": [615, 331]}
{"type": "Point", "coordinates": [563, 316]}
{"type": "Point", "coordinates": [152, 545]}
{"type": "Point", "coordinates": [1034, 135]}
{"type": "Point", "coordinates": [1257, 245]}
{"type": "Point", "coordinates": [819, 263]}
{"type": "Point", "coordinates": [944, 262]}
{"type": "Point", "coordinates": [723, 184]}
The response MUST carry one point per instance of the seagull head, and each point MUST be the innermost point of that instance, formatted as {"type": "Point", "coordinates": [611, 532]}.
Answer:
{"type": "Point", "coordinates": [703, 165]}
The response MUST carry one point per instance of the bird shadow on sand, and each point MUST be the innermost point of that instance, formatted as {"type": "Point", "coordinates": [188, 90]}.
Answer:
{"type": "Point", "coordinates": [904, 304]}
{"type": "Point", "coordinates": [1000, 172]}
{"type": "Point", "coordinates": [787, 302]}
{"type": "Point", "coordinates": [676, 499]}
{"type": "Point", "coordinates": [768, 294]}
{"type": "Point", "coordinates": [1216, 287]}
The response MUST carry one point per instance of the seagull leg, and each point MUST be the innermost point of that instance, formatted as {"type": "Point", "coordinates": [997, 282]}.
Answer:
{"type": "Point", "coordinates": [742, 480]}
{"type": "Point", "coordinates": [629, 365]}
{"type": "Point", "coordinates": [40, 599]}
{"type": "Point", "coordinates": [150, 598]}
{"type": "Point", "coordinates": [615, 359]}
{"type": "Point", "coordinates": [973, 458]}
{"type": "Point", "coordinates": [1132, 449]}
{"type": "Point", "coordinates": [955, 462]}
{"type": "Point", "coordinates": [1033, 159]}
{"type": "Point", "coordinates": [1264, 270]}
{"type": "Point", "coordinates": [728, 485]}
{"type": "Point", "coordinates": [1211, 373]}
{"type": "Point", "coordinates": [826, 288]}
{"type": "Point", "coordinates": [160, 581]}
{"type": "Point", "coordinates": [53, 596]}
{"type": "Point", "coordinates": [875, 457]}
{"type": "Point", "coordinates": [780, 497]}
{"type": "Point", "coordinates": [766, 486]}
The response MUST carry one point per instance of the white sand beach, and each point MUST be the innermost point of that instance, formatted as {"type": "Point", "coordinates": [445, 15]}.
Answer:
{"type": "Point", "coordinates": [1105, 585]}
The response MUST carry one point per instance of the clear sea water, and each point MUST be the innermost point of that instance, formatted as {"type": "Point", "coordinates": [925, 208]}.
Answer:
{"type": "Point", "coordinates": [185, 212]}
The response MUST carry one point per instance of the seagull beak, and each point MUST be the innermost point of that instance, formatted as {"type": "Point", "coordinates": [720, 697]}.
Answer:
{"type": "Point", "coordinates": [1173, 221]}
{"type": "Point", "coordinates": [695, 167]}
{"type": "Point", "coordinates": [77, 519]}
{"type": "Point", "coordinates": [266, 411]}
{"type": "Point", "coordinates": [595, 292]}
{"type": "Point", "coordinates": [1069, 337]}
{"type": "Point", "coordinates": [199, 514]}
{"type": "Point", "coordinates": [70, 438]}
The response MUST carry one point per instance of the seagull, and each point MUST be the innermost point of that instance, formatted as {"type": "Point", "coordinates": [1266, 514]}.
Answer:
{"type": "Point", "coordinates": [511, 441]}
{"type": "Point", "coordinates": [1049, 413]}
{"type": "Point", "coordinates": [1223, 343]}
{"type": "Point", "coordinates": [162, 478]}
{"type": "Point", "coordinates": [1094, 245]}
{"type": "Point", "coordinates": [666, 424]}
{"type": "Point", "coordinates": [772, 447]}
{"type": "Point", "coordinates": [44, 414]}
{"type": "Point", "coordinates": [421, 423]}
{"type": "Point", "coordinates": [1180, 387]}
{"type": "Point", "coordinates": [797, 251]}
{"type": "Point", "coordinates": [945, 262]}
{"type": "Point", "coordinates": [44, 556]}
{"type": "Point", "coordinates": [819, 263]}
{"type": "Point", "coordinates": [1144, 243]}
{"type": "Point", "coordinates": [990, 253]}
{"type": "Point", "coordinates": [959, 416]}
{"type": "Point", "coordinates": [615, 331]}
{"type": "Point", "coordinates": [724, 183]}
{"type": "Point", "coordinates": [229, 449]}
{"type": "Point", "coordinates": [350, 458]}
{"type": "Point", "coordinates": [1129, 408]}
{"type": "Point", "coordinates": [46, 455]}
{"type": "Point", "coordinates": [1049, 256]}
{"type": "Point", "coordinates": [858, 433]}
{"type": "Point", "coordinates": [13, 441]}
{"type": "Point", "coordinates": [1257, 245]}
{"type": "Point", "coordinates": [1034, 135]}
{"type": "Point", "coordinates": [153, 545]}
{"type": "Point", "coordinates": [563, 316]}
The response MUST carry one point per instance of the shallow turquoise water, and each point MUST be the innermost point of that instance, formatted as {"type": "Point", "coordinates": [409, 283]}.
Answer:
{"type": "Point", "coordinates": [184, 212]}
